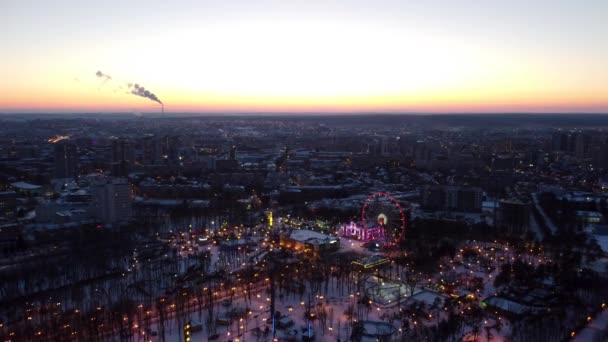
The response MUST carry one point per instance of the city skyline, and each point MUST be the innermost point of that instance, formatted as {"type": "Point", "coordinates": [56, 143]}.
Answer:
{"type": "Point", "coordinates": [272, 56]}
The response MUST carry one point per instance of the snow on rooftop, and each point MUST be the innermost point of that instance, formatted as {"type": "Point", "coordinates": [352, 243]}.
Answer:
{"type": "Point", "coordinates": [303, 235]}
{"type": "Point", "coordinates": [602, 240]}
{"type": "Point", "coordinates": [588, 213]}
{"type": "Point", "coordinates": [509, 305]}
{"type": "Point", "coordinates": [376, 329]}
{"type": "Point", "coordinates": [427, 297]}
{"type": "Point", "coordinates": [25, 186]}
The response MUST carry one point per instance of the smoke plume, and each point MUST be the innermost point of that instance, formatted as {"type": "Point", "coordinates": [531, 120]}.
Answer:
{"type": "Point", "coordinates": [138, 90]}
{"type": "Point", "coordinates": [105, 77]}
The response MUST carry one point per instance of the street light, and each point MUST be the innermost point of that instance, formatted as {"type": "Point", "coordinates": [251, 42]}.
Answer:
{"type": "Point", "coordinates": [187, 332]}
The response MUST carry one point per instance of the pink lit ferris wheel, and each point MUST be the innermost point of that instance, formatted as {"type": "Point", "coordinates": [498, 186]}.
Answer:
{"type": "Point", "coordinates": [383, 218]}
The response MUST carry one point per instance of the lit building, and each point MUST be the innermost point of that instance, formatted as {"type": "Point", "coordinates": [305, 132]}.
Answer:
{"type": "Point", "coordinates": [310, 241]}
{"type": "Point", "coordinates": [170, 145]}
{"type": "Point", "coordinates": [588, 217]}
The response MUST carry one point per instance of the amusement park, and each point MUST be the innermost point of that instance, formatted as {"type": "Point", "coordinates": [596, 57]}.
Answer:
{"type": "Point", "coordinates": [304, 171]}
{"type": "Point", "coordinates": [382, 222]}
{"type": "Point", "coordinates": [292, 278]}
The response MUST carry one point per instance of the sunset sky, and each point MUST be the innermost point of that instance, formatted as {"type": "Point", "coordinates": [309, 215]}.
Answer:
{"type": "Point", "coordinates": [304, 56]}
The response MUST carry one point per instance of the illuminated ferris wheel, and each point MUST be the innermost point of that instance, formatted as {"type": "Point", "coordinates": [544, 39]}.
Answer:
{"type": "Point", "coordinates": [383, 218]}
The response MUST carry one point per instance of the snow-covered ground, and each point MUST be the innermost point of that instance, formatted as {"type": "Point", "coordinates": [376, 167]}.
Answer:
{"type": "Point", "coordinates": [340, 311]}
{"type": "Point", "coordinates": [546, 218]}
{"type": "Point", "coordinates": [368, 296]}
{"type": "Point", "coordinates": [337, 324]}
{"type": "Point", "coordinates": [602, 240]}
{"type": "Point", "coordinates": [597, 327]}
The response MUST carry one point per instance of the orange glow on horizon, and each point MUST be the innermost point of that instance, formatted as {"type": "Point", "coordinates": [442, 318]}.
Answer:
{"type": "Point", "coordinates": [519, 92]}
{"type": "Point", "coordinates": [312, 56]}
{"type": "Point", "coordinates": [190, 103]}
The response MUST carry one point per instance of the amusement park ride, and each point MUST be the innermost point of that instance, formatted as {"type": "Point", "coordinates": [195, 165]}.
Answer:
{"type": "Point", "coordinates": [382, 221]}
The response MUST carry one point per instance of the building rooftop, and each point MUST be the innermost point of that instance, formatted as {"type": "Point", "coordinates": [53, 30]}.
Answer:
{"type": "Point", "coordinates": [312, 237]}
{"type": "Point", "coordinates": [372, 261]}
{"type": "Point", "coordinates": [25, 186]}
{"type": "Point", "coordinates": [427, 297]}
{"type": "Point", "coordinates": [588, 213]}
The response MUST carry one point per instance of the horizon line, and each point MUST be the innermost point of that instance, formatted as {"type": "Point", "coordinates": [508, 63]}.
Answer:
{"type": "Point", "coordinates": [297, 113]}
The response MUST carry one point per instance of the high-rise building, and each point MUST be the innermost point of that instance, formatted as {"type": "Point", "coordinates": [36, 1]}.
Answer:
{"type": "Point", "coordinates": [559, 141]}
{"type": "Point", "coordinates": [122, 157]}
{"type": "Point", "coordinates": [10, 237]}
{"type": "Point", "coordinates": [434, 197]}
{"type": "Point", "coordinates": [122, 150]}
{"type": "Point", "coordinates": [151, 151]}
{"type": "Point", "coordinates": [513, 215]}
{"type": "Point", "coordinates": [233, 152]}
{"type": "Point", "coordinates": [8, 204]}
{"type": "Point", "coordinates": [101, 155]}
{"type": "Point", "coordinates": [503, 162]}
{"type": "Point", "coordinates": [169, 145]}
{"type": "Point", "coordinates": [422, 153]}
{"type": "Point", "coordinates": [111, 200]}
{"type": "Point", "coordinates": [458, 198]}
{"type": "Point", "coordinates": [66, 160]}
{"type": "Point", "coordinates": [603, 155]}
{"type": "Point", "coordinates": [160, 150]}
{"type": "Point", "coordinates": [468, 199]}
{"type": "Point", "coordinates": [581, 145]}
{"type": "Point", "coordinates": [384, 146]}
